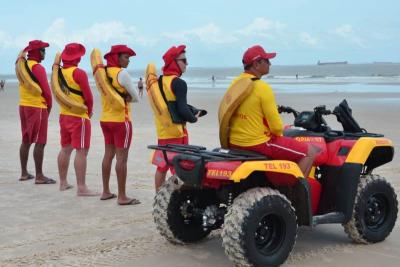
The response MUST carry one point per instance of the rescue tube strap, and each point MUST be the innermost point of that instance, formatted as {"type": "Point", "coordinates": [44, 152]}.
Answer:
{"type": "Point", "coordinates": [160, 85]}
{"type": "Point", "coordinates": [172, 105]}
{"type": "Point", "coordinates": [123, 95]}
{"type": "Point", "coordinates": [65, 85]}
{"type": "Point", "coordinates": [98, 66]}
{"type": "Point", "coordinates": [30, 72]}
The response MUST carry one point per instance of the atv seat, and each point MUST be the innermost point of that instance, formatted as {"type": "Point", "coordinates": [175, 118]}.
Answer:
{"type": "Point", "coordinates": [239, 152]}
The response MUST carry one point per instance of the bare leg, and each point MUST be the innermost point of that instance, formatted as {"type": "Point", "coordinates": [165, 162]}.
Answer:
{"type": "Point", "coordinates": [63, 164]}
{"type": "Point", "coordinates": [121, 169]}
{"type": "Point", "coordinates": [38, 153]}
{"type": "Point", "coordinates": [109, 155]}
{"type": "Point", "coordinates": [159, 179]}
{"type": "Point", "coordinates": [306, 163]}
{"type": "Point", "coordinates": [80, 171]}
{"type": "Point", "coordinates": [23, 157]}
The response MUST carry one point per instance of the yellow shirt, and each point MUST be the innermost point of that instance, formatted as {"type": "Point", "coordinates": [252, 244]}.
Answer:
{"type": "Point", "coordinates": [170, 96]}
{"type": "Point", "coordinates": [257, 117]}
{"type": "Point", "coordinates": [26, 97]}
{"type": "Point", "coordinates": [68, 76]}
{"type": "Point", "coordinates": [108, 113]}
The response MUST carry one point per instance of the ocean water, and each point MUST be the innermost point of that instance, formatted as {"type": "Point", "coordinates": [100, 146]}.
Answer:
{"type": "Point", "coordinates": [310, 78]}
{"type": "Point", "coordinates": [377, 77]}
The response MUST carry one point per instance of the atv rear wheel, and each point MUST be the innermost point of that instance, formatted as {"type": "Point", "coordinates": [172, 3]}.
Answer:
{"type": "Point", "coordinates": [375, 211]}
{"type": "Point", "coordinates": [260, 228]}
{"type": "Point", "coordinates": [176, 212]}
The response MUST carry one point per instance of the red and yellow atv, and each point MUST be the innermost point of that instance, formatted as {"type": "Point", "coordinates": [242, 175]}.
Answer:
{"type": "Point", "coordinates": [259, 202]}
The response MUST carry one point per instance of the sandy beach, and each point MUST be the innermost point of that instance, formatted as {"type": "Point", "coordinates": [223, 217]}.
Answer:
{"type": "Point", "coordinates": [41, 226]}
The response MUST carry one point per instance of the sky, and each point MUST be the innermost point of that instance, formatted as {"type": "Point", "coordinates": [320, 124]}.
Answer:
{"type": "Point", "coordinates": [216, 33]}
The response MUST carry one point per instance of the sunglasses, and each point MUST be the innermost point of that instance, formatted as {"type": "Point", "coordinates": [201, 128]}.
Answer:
{"type": "Point", "coordinates": [266, 60]}
{"type": "Point", "coordinates": [184, 60]}
{"type": "Point", "coordinates": [42, 50]}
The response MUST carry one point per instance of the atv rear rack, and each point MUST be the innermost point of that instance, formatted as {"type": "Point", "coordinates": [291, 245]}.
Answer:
{"type": "Point", "coordinates": [190, 161]}
{"type": "Point", "coordinates": [218, 154]}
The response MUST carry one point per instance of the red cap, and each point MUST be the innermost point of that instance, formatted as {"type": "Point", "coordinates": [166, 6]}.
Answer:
{"type": "Point", "coordinates": [35, 44]}
{"type": "Point", "coordinates": [72, 51]}
{"type": "Point", "coordinates": [173, 53]}
{"type": "Point", "coordinates": [254, 53]}
{"type": "Point", "coordinates": [117, 49]}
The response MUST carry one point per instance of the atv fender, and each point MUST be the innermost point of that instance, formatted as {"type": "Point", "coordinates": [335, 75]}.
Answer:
{"type": "Point", "coordinates": [364, 146]}
{"type": "Point", "coordinates": [275, 166]}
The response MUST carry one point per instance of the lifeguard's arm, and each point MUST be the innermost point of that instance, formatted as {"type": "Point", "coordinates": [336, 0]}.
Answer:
{"type": "Point", "coordinates": [125, 80]}
{"type": "Point", "coordinates": [40, 74]}
{"type": "Point", "coordinates": [270, 110]}
{"type": "Point", "coordinates": [81, 78]}
{"type": "Point", "coordinates": [179, 88]}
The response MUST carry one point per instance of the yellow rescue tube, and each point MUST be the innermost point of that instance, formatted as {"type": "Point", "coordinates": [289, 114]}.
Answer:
{"type": "Point", "coordinates": [58, 92]}
{"type": "Point", "coordinates": [103, 84]}
{"type": "Point", "coordinates": [157, 103]}
{"type": "Point", "coordinates": [23, 75]}
{"type": "Point", "coordinates": [233, 97]}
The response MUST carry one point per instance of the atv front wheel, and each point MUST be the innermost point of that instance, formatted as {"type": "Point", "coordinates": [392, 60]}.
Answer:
{"type": "Point", "coordinates": [375, 211]}
{"type": "Point", "coordinates": [177, 212]}
{"type": "Point", "coordinates": [260, 228]}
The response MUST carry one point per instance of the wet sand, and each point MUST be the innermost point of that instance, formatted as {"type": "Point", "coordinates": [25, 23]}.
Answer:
{"type": "Point", "coordinates": [41, 226]}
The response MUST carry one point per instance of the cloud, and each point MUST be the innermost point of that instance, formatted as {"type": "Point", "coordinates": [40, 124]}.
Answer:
{"type": "Point", "coordinates": [346, 32]}
{"type": "Point", "coordinates": [58, 34]}
{"type": "Point", "coordinates": [308, 39]}
{"type": "Point", "coordinates": [262, 27]}
{"type": "Point", "coordinates": [209, 33]}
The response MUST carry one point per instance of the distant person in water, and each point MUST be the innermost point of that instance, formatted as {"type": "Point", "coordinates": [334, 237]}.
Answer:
{"type": "Point", "coordinates": [2, 83]}
{"type": "Point", "coordinates": [140, 87]}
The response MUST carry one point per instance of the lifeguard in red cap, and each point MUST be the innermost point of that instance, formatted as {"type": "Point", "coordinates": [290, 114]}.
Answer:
{"type": "Point", "coordinates": [256, 125]}
{"type": "Point", "coordinates": [75, 127]}
{"type": "Point", "coordinates": [117, 124]}
{"type": "Point", "coordinates": [175, 91]}
{"type": "Point", "coordinates": [34, 111]}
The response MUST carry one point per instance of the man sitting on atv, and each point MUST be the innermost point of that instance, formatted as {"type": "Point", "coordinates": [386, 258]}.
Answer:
{"type": "Point", "coordinates": [256, 124]}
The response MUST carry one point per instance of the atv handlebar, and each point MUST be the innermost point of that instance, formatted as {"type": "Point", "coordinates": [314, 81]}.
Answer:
{"type": "Point", "coordinates": [285, 109]}
{"type": "Point", "coordinates": [321, 110]}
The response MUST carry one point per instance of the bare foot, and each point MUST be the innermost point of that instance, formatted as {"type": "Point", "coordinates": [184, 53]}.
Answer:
{"type": "Point", "coordinates": [106, 196]}
{"type": "Point", "coordinates": [87, 193]}
{"type": "Point", "coordinates": [128, 201]}
{"type": "Point", "coordinates": [65, 186]}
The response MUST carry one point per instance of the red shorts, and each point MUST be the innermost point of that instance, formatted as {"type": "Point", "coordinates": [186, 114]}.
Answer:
{"type": "Point", "coordinates": [280, 147]}
{"type": "Point", "coordinates": [162, 166]}
{"type": "Point", "coordinates": [34, 123]}
{"type": "Point", "coordinates": [75, 131]}
{"type": "Point", "coordinates": [118, 134]}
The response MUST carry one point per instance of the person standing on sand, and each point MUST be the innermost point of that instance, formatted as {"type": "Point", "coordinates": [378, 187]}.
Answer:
{"type": "Point", "coordinates": [175, 89]}
{"type": "Point", "coordinates": [34, 111]}
{"type": "Point", "coordinates": [75, 128]}
{"type": "Point", "coordinates": [266, 138]}
{"type": "Point", "coordinates": [116, 124]}
{"type": "Point", "coordinates": [140, 87]}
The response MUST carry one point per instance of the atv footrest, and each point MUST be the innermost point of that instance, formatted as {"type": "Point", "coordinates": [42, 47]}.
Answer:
{"type": "Point", "coordinates": [332, 217]}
